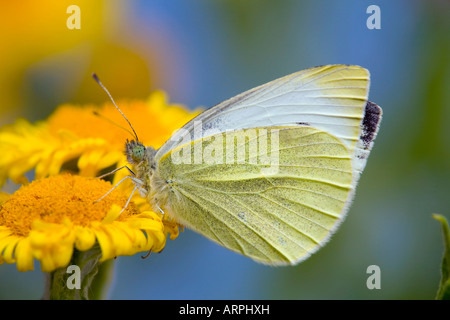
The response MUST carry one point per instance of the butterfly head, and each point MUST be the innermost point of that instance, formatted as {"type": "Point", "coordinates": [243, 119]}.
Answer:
{"type": "Point", "coordinates": [135, 151]}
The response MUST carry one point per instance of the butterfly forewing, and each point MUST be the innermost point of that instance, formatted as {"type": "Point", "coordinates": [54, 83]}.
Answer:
{"type": "Point", "coordinates": [331, 98]}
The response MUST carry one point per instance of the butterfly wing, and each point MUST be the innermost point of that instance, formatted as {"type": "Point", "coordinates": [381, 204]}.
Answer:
{"type": "Point", "coordinates": [332, 98]}
{"type": "Point", "coordinates": [281, 219]}
{"type": "Point", "coordinates": [275, 212]}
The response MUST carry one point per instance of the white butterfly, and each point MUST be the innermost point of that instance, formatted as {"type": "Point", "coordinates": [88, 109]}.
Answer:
{"type": "Point", "coordinates": [324, 127]}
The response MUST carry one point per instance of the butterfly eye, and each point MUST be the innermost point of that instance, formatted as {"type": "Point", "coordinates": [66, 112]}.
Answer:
{"type": "Point", "coordinates": [138, 153]}
{"type": "Point", "coordinates": [135, 151]}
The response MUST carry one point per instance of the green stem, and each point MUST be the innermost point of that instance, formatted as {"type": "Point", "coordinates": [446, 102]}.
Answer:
{"type": "Point", "coordinates": [444, 286]}
{"type": "Point", "coordinates": [102, 281]}
{"type": "Point", "coordinates": [85, 278]}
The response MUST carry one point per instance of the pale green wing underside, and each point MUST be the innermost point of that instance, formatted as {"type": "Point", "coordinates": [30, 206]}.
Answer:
{"type": "Point", "coordinates": [274, 217]}
{"type": "Point", "coordinates": [332, 98]}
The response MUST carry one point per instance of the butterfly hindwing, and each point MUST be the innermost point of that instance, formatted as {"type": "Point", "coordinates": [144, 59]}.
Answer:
{"type": "Point", "coordinates": [276, 209]}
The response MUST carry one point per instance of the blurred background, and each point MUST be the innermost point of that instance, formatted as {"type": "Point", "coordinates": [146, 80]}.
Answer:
{"type": "Point", "coordinates": [202, 52]}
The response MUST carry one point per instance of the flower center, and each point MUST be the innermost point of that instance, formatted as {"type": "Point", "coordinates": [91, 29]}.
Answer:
{"type": "Point", "coordinates": [52, 199]}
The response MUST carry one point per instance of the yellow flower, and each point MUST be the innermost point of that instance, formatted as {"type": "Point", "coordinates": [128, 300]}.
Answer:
{"type": "Point", "coordinates": [50, 217]}
{"type": "Point", "coordinates": [77, 135]}
{"type": "Point", "coordinates": [46, 219]}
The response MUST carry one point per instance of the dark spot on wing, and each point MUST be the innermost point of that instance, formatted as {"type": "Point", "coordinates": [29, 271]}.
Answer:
{"type": "Point", "coordinates": [372, 118]}
{"type": "Point", "coordinates": [209, 125]}
{"type": "Point", "coordinates": [242, 216]}
{"type": "Point", "coordinates": [303, 124]}
{"type": "Point", "coordinates": [361, 156]}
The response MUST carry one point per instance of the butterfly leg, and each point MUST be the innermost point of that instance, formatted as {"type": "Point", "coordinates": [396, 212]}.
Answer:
{"type": "Point", "coordinates": [115, 170]}
{"type": "Point", "coordinates": [160, 210]}
{"type": "Point", "coordinates": [129, 199]}
{"type": "Point", "coordinates": [135, 180]}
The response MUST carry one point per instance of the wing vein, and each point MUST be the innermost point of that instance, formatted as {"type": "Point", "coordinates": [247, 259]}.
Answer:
{"type": "Point", "coordinates": [188, 194]}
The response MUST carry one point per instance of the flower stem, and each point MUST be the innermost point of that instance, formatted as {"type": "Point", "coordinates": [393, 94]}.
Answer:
{"type": "Point", "coordinates": [444, 286]}
{"type": "Point", "coordinates": [85, 278]}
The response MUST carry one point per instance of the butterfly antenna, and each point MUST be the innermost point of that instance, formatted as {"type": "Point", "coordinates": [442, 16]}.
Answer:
{"type": "Point", "coordinates": [111, 122]}
{"type": "Point", "coordinates": [106, 90]}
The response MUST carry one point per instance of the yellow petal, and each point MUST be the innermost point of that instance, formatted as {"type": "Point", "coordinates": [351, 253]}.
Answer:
{"type": "Point", "coordinates": [85, 238]}
{"type": "Point", "coordinates": [7, 246]}
{"type": "Point", "coordinates": [105, 243]}
{"type": "Point", "coordinates": [112, 214]}
{"type": "Point", "coordinates": [24, 256]}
